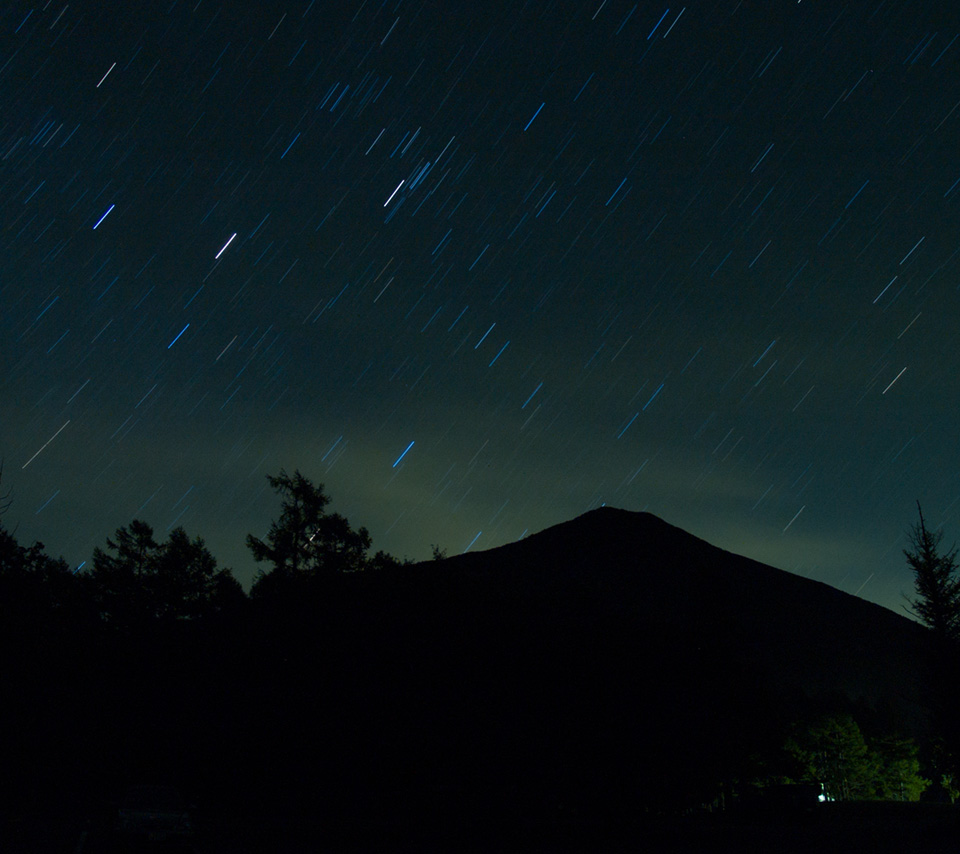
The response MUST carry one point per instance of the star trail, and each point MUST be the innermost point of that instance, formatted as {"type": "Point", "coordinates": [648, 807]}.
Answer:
{"type": "Point", "coordinates": [700, 260]}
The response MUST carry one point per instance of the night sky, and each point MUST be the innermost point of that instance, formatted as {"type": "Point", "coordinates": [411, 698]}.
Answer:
{"type": "Point", "coordinates": [480, 267]}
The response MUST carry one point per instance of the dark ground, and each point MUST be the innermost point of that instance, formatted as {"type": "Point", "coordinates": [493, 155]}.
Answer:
{"type": "Point", "coordinates": [548, 696]}
{"type": "Point", "coordinates": [847, 827]}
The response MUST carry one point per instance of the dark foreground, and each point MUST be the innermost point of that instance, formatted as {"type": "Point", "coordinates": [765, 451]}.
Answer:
{"type": "Point", "coordinates": [848, 827]}
{"type": "Point", "coordinates": [549, 699]}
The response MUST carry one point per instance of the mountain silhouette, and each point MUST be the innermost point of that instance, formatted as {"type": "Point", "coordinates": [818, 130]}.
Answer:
{"type": "Point", "coordinates": [806, 639]}
{"type": "Point", "coordinates": [605, 666]}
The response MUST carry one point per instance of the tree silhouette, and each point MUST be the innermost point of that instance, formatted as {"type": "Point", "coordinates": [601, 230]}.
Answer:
{"type": "Point", "coordinates": [38, 593]}
{"type": "Point", "coordinates": [119, 579]}
{"type": "Point", "coordinates": [937, 602]}
{"type": "Point", "coordinates": [138, 580]}
{"type": "Point", "coordinates": [937, 606]}
{"type": "Point", "coordinates": [186, 583]}
{"type": "Point", "coordinates": [35, 588]}
{"type": "Point", "coordinates": [306, 541]}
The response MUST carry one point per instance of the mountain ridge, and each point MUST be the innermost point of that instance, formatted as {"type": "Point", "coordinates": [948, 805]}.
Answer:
{"type": "Point", "coordinates": [607, 522]}
{"type": "Point", "coordinates": [812, 642]}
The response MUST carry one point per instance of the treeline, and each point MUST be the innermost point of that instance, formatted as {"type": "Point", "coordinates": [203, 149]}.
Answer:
{"type": "Point", "coordinates": [831, 752]}
{"type": "Point", "coordinates": [151, 663]}
{"type": "Point", "coordinates": [136, 580]}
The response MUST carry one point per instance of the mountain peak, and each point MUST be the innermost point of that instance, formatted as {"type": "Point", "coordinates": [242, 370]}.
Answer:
{"type": "Point", "coordinates": [611, 566]}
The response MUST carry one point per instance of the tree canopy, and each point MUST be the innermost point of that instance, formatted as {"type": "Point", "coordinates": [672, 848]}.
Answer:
{"type": "Point", "coordinates": [34, 587]}
{"type": "Point", "coordinates": [136, 579]}
{"type": "Point", "coordinates": [306, 541]}
{"type": "Point", "coordinates": [832, 752]}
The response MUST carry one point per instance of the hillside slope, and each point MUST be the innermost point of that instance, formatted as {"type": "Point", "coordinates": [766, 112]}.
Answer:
{"type": "Point", "coordinates": [808, 637]}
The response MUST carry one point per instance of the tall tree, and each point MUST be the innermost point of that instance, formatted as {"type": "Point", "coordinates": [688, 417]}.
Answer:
{"type": "Point", "coordinates": [119, 575]}
{"type": "Point", "coordinates": [899, 778]}
{"type": "Point", "coordinates": [306, 541]}
{"type": "Point", "coordinates": [290, 537]}
{"type": "Point", "coordinates": [832, 751]}
{"type": "Point", "coordinates": [937, 606]}
{"type": "Point", "coordinates": [936, 582]}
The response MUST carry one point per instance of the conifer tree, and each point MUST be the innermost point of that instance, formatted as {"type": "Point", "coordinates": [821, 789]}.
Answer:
{"type": "Point", "coordinates": [937, 601]}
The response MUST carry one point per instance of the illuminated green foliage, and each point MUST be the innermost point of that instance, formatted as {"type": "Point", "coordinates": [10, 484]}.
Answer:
{"type": "Point", "coordinates": [832, 752]}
